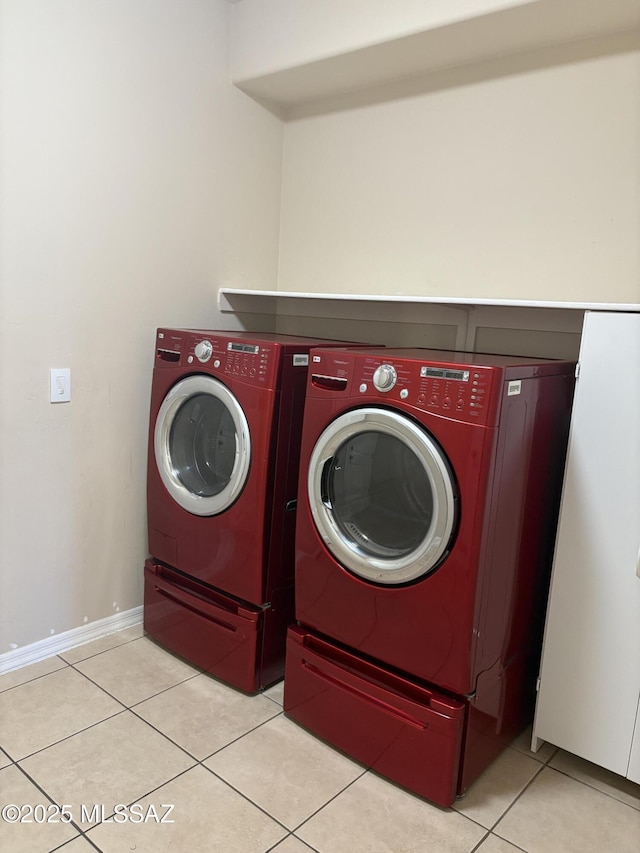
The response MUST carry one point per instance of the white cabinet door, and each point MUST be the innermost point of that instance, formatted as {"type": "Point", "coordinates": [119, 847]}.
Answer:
{"type": "Point", "coordinates": [590, 674]}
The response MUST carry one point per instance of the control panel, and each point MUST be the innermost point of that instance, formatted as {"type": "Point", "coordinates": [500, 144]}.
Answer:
{"type": "Point", "coordinates": [463, 391]}
{"type": "Point", "coordinates": [242, 359]}
{"type": "Point", "coordinates": [458, 391]}
{"type": "Point", "coordinates": [251, 362]}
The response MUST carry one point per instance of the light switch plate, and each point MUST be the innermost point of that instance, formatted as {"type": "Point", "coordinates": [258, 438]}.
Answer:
{"type": "Point", "coordinates": [60, 389]}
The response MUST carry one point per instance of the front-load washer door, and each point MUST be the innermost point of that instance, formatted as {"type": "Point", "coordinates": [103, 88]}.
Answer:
{"type": "Point", "coordinates": [202, 445]}
{"type": "Point", "coordinates": [382, 496]}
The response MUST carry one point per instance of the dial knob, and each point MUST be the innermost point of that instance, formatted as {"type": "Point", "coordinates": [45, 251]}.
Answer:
{"type": "Point", "coordinates": [385, 377]}
{"type": "Point", "coordinates": [203, 351]}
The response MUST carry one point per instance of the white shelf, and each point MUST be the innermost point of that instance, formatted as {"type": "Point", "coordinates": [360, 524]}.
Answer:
{"type": "Point", "coordinates": [232, 300]}
{"type": "Point", "coordinates": [290, 57]}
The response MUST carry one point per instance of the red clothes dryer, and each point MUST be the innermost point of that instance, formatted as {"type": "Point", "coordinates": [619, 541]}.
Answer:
{"type": "Point", "coordinates": [224, 442]}
{"type": "Point", "coordinates": [428, 499]}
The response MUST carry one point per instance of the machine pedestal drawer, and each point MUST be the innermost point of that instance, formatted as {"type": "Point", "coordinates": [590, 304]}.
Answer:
{"type": "Point", "coordinates": [203, 626]}
{"type": "Point", "coordinates": [400, 729]}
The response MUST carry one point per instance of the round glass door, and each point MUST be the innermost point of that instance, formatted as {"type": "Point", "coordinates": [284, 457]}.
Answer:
{"type": "Point", "coordinates": [382, 495]}
{"type": "Point", "coordinates": [202, 445]}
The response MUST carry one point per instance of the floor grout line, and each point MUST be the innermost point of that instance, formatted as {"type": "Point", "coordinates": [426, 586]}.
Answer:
{"type": "Point", "coordinates": [51, 800]}
{"type": "Point", "coordinates": [96, 654]}
{"type": "Point", "coordinates": [68, 737]}
{"type": "Point", "coordinates": [517, 797]}
{"type": "Point", "coordinates": [35, 678]}
{"type": "Point", "coordinates": [592, 787]}
{"type": "Point", "coordinates": [299, 840]}
{"type": "Point", "coordinates": [135, 704]}
{"type": "Point", "coordinates": [481, 842]}
{"type": "Point", "coordinates": [248, 799]}
{"type": "Point", "coordinates": [235, 740]}
{"type": "Point", "coordinates": [330, 800]}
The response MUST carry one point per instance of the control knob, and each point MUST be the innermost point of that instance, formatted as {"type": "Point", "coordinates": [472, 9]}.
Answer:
{"type": "Point", "coordinates": [203, 351]}
{"type": "Point", "coordinates": [385, 377]}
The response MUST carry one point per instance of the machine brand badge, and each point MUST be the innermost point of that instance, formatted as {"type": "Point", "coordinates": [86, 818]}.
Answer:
{"type": "Point", "coordinates": [514, 388]}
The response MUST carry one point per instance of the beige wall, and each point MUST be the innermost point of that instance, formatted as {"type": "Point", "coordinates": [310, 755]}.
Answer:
{"type": "Point", "coordinates": [517, 179]}
{"type": "Point", "coordinates": [135, 180]}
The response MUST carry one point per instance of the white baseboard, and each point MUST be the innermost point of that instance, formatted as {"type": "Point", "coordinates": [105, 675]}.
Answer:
{"type": "Point", "coordinates": [68, 640]}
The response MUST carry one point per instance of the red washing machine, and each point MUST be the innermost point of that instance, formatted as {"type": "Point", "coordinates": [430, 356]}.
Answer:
{"type": "Point", "coordinates": [428, 499]}
{"type": "Point", "coordinates": [224, 444]}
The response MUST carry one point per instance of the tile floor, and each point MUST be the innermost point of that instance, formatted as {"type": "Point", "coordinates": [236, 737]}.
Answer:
{"type": "Point", "coordinates": [121, 721]}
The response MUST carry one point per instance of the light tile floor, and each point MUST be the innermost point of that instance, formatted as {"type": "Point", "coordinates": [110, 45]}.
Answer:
{"type": "Point", "coordinates": [121, 721]}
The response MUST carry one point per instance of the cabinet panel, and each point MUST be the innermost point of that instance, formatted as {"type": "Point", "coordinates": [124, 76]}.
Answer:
{"type": "Point", "coordinates": [590, 676]}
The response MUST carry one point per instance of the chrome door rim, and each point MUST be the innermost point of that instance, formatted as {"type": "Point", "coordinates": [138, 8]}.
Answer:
{"type": "Point", "coordinates": [427, 555]}
{"type": "Point", "coordinates": [177, 396]}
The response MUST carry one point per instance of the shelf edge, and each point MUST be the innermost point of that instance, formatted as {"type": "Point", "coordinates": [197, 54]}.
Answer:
{"type": "Point", "coordinates": [226, 306]}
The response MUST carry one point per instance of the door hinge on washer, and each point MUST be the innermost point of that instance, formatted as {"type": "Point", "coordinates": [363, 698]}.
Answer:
{"type": "Point", "coordinates": [538, 684]}
{"type": "Point", "coordinates": [577, 373]}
